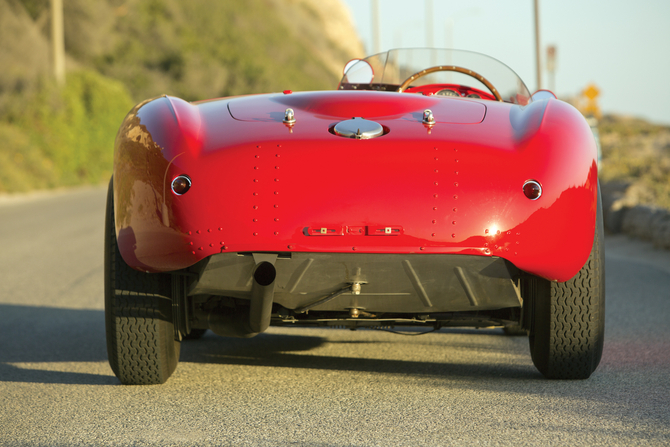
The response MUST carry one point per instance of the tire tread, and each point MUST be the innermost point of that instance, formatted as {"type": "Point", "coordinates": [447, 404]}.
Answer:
{"type": "Point", "coordinates": [140, 341]}
{"type": "Point", "coordinates": [567, 332]}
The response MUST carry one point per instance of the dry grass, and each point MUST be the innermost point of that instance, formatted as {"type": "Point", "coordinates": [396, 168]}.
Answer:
{"type": "Point", "coordinates": [637, 152]}
{"type": "Point", "coordinates": [120, 52]}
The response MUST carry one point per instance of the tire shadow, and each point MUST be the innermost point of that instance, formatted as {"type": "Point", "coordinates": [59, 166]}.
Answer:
{"type": "Point", "coordinates": [292, 351]}
{"type": "Point", "coordinates": [39, 340]}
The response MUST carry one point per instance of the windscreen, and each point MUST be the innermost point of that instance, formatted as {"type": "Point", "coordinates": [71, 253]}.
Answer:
{"type": "Point", "coordinates": [387, 71]}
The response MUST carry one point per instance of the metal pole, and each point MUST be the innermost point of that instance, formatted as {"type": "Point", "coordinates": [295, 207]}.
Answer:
{"type": "Point", "coordinates": [551, 67]}
{"type": "Point", "coordinates": [429, 23]}
{"type": "Point", "coordinates": [376, 35]}
{"type": "Point", "coordinates": [58, 40]}
{"type": "Point", "coordinates": [537, 45]}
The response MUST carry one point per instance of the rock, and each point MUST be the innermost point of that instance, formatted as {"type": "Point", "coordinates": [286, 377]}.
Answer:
{"type": "Point", "coordinates": [648, 223]}
{"type": "Point", "coordinates": [622, 212]}
{"type": "Point", "coordinates": [615, 204]}
{"type": "Point", "coordinates": [614, 216]}
{"type": "Point", "coordinates": [660, 229]}
{"type": "Point", "coordinates": [637, 221]}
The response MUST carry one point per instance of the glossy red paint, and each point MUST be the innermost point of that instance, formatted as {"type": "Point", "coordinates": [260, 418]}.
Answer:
{"type": "Point", "coordinates": [349, 104]}
{"type": "Point", "coordinates": [259, 185]}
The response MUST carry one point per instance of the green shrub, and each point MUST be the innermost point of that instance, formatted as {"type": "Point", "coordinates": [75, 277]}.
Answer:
{"type": "Point", "coordinates": [23, 167]}
{"type": "Point", "coordinates": [62, 136]}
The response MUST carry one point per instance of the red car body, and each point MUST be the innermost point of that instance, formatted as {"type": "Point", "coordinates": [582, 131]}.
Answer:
{"type": "Point", "coordinates": [397, 199]}
{"type": "Point", "coordinates": [451, 188]}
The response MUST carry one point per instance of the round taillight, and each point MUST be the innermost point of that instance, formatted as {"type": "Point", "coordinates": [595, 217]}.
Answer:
{"type": "Point", "coordinates": [532, 189]}
{"type": "Point", "coordinates": [181, 184]}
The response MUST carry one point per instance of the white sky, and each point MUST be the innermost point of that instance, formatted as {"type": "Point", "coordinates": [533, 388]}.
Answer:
{"type": "Point", "coordinates": [623, 47]}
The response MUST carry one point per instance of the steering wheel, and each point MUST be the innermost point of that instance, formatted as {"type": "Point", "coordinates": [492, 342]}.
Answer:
{"type": "Point", "coordinates": [465, 71]}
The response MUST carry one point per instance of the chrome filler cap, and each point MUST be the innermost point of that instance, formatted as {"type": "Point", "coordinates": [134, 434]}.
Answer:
{"type": "Point", "coordinates": [358, 128]}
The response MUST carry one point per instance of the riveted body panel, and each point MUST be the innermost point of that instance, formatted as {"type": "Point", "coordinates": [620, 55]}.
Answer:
{"type": "Point", "coordinates": [260, 185]}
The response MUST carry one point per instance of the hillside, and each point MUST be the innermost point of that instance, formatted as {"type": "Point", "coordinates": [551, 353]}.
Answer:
{"type": "Point", "coordinates": [636, 153]}
{"type": "Point", "coordinates": [196, 49]}
{"type": "Point", "coordinates": [121, 52]}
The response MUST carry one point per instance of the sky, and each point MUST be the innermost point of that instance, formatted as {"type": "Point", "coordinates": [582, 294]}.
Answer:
{"type": "Point", "coordinates": [623, 47]}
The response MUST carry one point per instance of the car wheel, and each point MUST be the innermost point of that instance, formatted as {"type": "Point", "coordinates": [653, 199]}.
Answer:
{"type": "Point", "coordinates": [141, 345]}
{"type": "Point", "coordinates": [567, 331]}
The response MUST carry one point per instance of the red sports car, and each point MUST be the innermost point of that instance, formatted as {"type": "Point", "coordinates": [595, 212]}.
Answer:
{"type": "Point", "coordinates": [430, 189]}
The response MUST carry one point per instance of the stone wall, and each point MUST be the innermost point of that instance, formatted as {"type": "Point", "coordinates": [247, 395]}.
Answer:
{"type": "Point", "coordinates": [623, 215]}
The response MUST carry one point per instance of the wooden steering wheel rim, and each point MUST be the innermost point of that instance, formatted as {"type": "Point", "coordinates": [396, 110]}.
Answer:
{"type": "Point", "coordinates": [465, 71]}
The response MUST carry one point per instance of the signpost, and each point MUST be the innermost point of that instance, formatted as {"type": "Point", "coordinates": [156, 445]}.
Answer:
{"type": "Point", "coordinates": [551, 67]}
{"type": "Point", "coordinates": [591, 93]}
{"type": "Point", "coordinates": [376, 34]}
{"type": "Point", "coordinates": [58, 40]}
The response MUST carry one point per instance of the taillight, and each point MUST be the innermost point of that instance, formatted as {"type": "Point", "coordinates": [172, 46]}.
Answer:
{"type": "Point", "coordinates": [532, 189]}
{"type": "Point", "coordinates": [181, 184]}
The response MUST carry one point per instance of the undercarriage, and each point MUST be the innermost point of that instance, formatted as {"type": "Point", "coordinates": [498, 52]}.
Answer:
{"type": "Point", "coordinates": [241, 294]}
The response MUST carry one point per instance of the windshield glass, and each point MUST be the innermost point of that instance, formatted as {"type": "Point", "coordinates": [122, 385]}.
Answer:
{"type": "Point", "coordinates": [444, 68]}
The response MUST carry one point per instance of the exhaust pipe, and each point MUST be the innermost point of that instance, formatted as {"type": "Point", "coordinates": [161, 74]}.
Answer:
{"type": "Point", "coordinates": [262, 293]}
{"type": "Point", "coordinates": [247, 322]}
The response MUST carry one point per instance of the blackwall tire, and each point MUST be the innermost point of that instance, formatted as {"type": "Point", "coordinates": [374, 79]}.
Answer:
{"type": "Point", "coordinates": [138, 317]}
{"type": "Point", "coordinates": [568, 327]}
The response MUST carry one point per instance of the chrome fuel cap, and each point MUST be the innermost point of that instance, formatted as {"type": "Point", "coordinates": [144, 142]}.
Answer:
{"type": "Point", "coordinates": [358, 128]}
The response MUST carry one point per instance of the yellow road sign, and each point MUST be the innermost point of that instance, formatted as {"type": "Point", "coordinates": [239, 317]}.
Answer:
{"type": "Point", "coordinates": [591, 92]}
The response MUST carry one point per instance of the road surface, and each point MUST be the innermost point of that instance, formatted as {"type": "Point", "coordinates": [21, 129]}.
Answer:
{"type": "Point", "coordinates": [308, 387]}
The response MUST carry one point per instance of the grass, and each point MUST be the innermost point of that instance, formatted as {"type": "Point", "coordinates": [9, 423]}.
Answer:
{"type": "Point", "coordinates": [133, 50]}
{"type": "Point", "coordinates": [637, 152]}
{"type": "Point", "coordinates": [129, 51]}
{"type": "Point", "coordinates": [62, 137]}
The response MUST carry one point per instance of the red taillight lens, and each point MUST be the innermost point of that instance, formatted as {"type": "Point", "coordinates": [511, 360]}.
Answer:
{"type": "Point", "coordinates": [532, 189]}
{"type": "Point", "coordinates": [181, 184]}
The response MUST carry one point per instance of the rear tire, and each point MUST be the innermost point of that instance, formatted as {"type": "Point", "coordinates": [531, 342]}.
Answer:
{"type": "Point", "coordinates": [568, 319]}
{"type": "Point", "coordinates": [141, 346]}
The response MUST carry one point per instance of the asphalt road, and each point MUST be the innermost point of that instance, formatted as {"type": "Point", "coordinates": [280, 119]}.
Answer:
{"type": "Point", "coordinates": [305, 386]}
